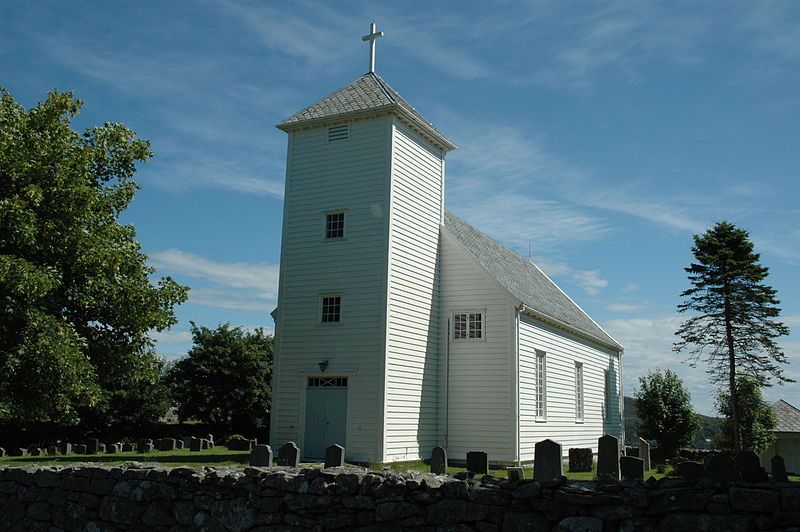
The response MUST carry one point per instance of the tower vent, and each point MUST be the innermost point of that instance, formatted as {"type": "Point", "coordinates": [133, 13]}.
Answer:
{"type": "Point", "coordinates": [338, 133]}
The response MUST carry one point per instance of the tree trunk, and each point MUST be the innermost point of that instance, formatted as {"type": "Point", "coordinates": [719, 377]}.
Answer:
{"type": "Point", "coordinates": [737, 433]}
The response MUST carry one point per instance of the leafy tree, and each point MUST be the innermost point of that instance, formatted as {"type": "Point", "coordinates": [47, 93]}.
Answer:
{"type": "Point", "coordinates": [734, 324]}
{"type": "Point", "coordinates": [76, 301]}
{"type": "Point", "coordinates": [225, 379]}
{"type": "Point", "coordinates": [665, 411]}
{"type": "Point", "coordinates": [756, 416]}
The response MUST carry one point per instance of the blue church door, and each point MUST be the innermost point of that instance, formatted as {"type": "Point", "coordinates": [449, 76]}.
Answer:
{"type": "Point", "coordinates": [326, 415]}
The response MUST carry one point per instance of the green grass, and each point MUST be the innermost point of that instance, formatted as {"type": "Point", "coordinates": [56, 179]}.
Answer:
{"type": "Point", "coordinates": [219, 455]}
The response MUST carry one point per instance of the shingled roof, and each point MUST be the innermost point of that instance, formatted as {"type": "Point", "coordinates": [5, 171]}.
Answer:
{"type": "Point", "coordinates": [369, 93]}
{"type": "Point", "coordinates": [788, 417]}
{"type": "Point", "coordinates": [525, 281]}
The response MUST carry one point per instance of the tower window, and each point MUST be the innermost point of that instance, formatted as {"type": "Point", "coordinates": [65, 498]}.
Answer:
{"type": "Point", "coordinates": [334, 225]}
{"type": "Point", "coordinates": [331, 309]}
{"type": "Point", "coordinates": [338, 133]}
{"type": "Point", "coordinates": [467, 326]}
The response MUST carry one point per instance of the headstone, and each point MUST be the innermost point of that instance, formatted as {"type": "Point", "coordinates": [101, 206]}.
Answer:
{"type": "Point", "coordinates": [195, 444]}
{"type": "Point", "coordinates": [80, 449]}
{"type": "Point", "coordinates": [205, 444]}
{"type": "Point", "coordinates": [749, 466]}
{"type": "Point", "coordinates": [143, 444]}
{"type": "Point", "coordinates": [157, 443]}
{"type": "Point", "coordinates": [210, 439]}
{"type": "Point", "coordinates": [34, 451]}
{"type": "Point", "coordinates": [187, 442]}
{"type": "Point", "coordinates": [261, 456]}
{"type": "Point", "coordinates": [92, 445]}
{"type": "Point", "coordinates": [127, 447]}
{"type": "Point", "coordinates": [779, 469]}
{"type": "Point", "coordinates": [632, 468]}
{"type": "Point", "coordinates": [580, 460]}
{"type": "Point", "coordinates": [113, 448]}
{"type": "Point", "coordinates": [17, 451]}
{"type": "Point", "coordinates": [101, 447]}
{"type": "Point", "coordinates": [439, 461]}
{"type": "Point", "coordinates": [689, 470]}
{"type": "Point", "coordinates": [240, 445]}
{"type": "Point", "coordinates": [334, 456]}
{"type": "Point", "coordinates": [179, 444]}
{"type": "Point", "coordinates": [547, 461]}
{"type": "Point", "coordinates": [148, 448]}
{"type": "Point", "coordinates": [515, 474]}
{"type": "Point", "coordinates": [608, 457]}
{"type": "Point", "coordinates": [720, 466]}
{"type": "Point", "coordinates": [289, 455]}
{"type": "Point", "coordinates": [65, 448]}
{"type": "Point", "coordinates": [52, 450]}
{"type": "Point", "coordinates": [478, 462]}
{"type": "Point", "coordinates": [644, 453]}
{"type": "Point", "coordinates": [167, 444]}
{"type": "Point", "coordinates": [2, 452]}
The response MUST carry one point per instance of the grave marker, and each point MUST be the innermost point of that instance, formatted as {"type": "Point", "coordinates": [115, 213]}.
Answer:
{"type": "Point", "coordinates": [65, 448]}
{"type": "Point", "coordinates": [631, 468]}
{"type": "Point", "coordinates": [478, 462]}
{"type": "Point", "coordinates": [80, 449]}
{"type": "Point", "coordinates": [167, 444]}
{"type": "Point", "coordinates": [779, 469]}
{"type": "Point", "coordinates": [644, 453]}
{"type": "Point", "coordinates": [515, 474]}
{"type": "Point", "coordinates": [580, 460]}
{"type": "Point", "coordinates": [261, 456]}
{"type": "Point", "coordinates": [334, 456]}
{"type": "Point", "coordinates": [439, 461]}
{"type": "Point", "coordinates": [749, 466]}
{"type": "Point", "coordinates": [179, 444]}
{"type": "Point", "coordinates": [608, 457]}
{"type": "Point", "coordinates": [289, 455]}
{"type": "Point", "coordinates": [195, 444]}
{"type": "Point", "coordinates": [127, 447]}
{"type": "Point", "coordinates": [92, 446]}
{"type": "Point", "coordinates": [720, 467]}
{"type": "Point", "coordinates": [547, 461]}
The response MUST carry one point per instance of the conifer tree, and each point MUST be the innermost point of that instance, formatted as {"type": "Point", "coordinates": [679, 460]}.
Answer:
{"type": "Point", "coordinates": [734, 324]}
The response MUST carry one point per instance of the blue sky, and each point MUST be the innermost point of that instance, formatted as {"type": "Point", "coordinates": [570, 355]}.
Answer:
{"type": "Point", "coordinates": [603, 135]}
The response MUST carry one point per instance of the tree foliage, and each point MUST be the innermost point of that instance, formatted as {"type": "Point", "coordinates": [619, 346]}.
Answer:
{"type": "Point", "coordinates": [756, 417]}
{"type": "Point", "coordinates": [665, 411]}
{"type": "Point", "coordinates": [76, 301]}
{"type": "Point", "coordinates": [225, 379]}
{"type": "Point", "coordinates": [733, 327]}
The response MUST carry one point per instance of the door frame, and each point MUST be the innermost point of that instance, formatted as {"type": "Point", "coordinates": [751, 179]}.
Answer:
{"type": "Point", "coordinates": [303, 399]}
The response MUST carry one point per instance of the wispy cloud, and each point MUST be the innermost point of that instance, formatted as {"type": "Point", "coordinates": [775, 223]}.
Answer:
{"type": "Point", "coordinates": [627, 308]}
{"type": "Point", "coordinates": [171, 337]}
{"type": "Point", "coordinates": [590, 281]}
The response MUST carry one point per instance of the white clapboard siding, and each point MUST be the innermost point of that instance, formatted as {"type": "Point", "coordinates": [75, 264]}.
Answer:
{"type": "Point", "coordinates": [563, 350]}
{"type": "Point", "coordinates": [412, 327]}
{"type": "Point", "coordinates": [477, 399]}
{"type": "Point", "coordinates": [353, 175]}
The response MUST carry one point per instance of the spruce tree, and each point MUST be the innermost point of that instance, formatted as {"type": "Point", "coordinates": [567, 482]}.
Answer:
{"type": "Point", "coordinates": [733, 325]}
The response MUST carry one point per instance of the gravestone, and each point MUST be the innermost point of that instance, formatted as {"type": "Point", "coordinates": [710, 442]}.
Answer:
{"type": "Point", "coordinates": [547, 462]}
{"type": "Point", "coordinates": [478, 462]}
{"type": "Point", "coordinates": [195, 444]}
{"type": "Point", "coordinates": [240, 445]}
{"type": "Point", "coordinates": [2, 452]}
{"type": "Point", "coordinates": [92, 446]}
{"type": "Point", "coordinates": [143, 444]}
{"type": "Point", "coordinates": [148, 448]}
{"type": "Point", "coordinates": [644, 453]}
{"type": "Point", "coordinates": [187, 442]}
{"type": "Point", "coordinates": [157, 443]}
{"type": "Point", "coordinates": [779, 469]}
{"type": "Point", "coordinates": [34, 451]}
{"type": "Point", "coordinates": [334, 456]}
{"type": "Point", "coordinates": [580, 460]}
{"type": "Point", "coordinates": [749, 466]}
{"type": "Point", "coordinates": [80, 449]}
{"type": "Point", "coordinates": [210, 439]}
{"type": "Point", "coordinates": [65, 448]}
{"type": "Point", "coordinates": [689, 470]}
{"type": "Point", "coordinates": [113, 448]}
{"type": "Point", "coordinates": [515, 474]}
{"type": "Point", "coordinates": [17, 451]}
{"type": "Point", "coordinates": [205, 444]}
{"type": "Point", "coordinates": [289, 455]}
{"type": "Point", "coordinates": [52, 450]}
{"type": "Point", "coordinates": [439, 461]}
{"type": "Point", "coordinates": [261, 456]}
{"type": "Point", "coordinates": [167, 444]}
{"type": "Point", "coordinates": [179, 444]}
{"type": "Point", "coordinates": [127, 447]}
{"type": "Point", "coordinates": [101, 447]}
{"type": "Point", "coordinates": [608, 457]}
{"type": "Point", "coordinates": [720, 466]}
{"type": "Point", "coordinates": [632, 468]}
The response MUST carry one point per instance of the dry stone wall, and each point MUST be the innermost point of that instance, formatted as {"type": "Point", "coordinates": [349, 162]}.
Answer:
{"type": "Point", "coordinates": [139, 497]}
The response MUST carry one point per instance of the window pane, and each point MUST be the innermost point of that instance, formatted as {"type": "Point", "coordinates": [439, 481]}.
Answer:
{"type": "Point", "coordinates": [331, 309]}
{"type": "Point", "coordinates": [460, 326]}
{"type": "Point", "coordinates": [475, 326]}
{"type": "Point", "coordinates": [334, 225]}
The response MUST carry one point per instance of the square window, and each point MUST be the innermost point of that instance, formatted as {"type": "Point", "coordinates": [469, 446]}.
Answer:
{"type": "Point", "coordinates": [331, 309]}
{"type": "Point", "coordinates": [334, 225]}
{"type": "Point", "coordinates": [467, 325]}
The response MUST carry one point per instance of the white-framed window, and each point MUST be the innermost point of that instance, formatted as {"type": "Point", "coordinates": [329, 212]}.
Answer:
{"type": "Point", "coordinates": [607, 394]}
{"type": "Point", "coordinates": [468, 326]}
{"type": "Point", "coordinates": [334, 225]}
{"type": "Point", "coordinates": [578, 391]}
{"type": "Point", "coordinates": [331, 308]}
{"type": "Point", "coordinates": [541, 385]}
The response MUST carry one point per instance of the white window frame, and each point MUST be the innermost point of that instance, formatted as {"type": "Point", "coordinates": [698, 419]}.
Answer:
{"type": "Point", "coordinates": [607, 394]}
{"type": "Point", "coordinates": [580, 403]}
{"type": "Point", "coordinates": [321, 309]}
{"type": "Point", "coordinates": [541, 386]}
{"type": "Point", "coordinates": [325, 216]}
{"type": "Point", "coordinates": [469, 314]}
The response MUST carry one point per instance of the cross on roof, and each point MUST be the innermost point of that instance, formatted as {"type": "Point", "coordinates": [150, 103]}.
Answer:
{"type": "Point", "coordinates": [372, 37]}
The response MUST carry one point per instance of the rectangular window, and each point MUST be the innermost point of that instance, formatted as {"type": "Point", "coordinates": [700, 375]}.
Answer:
{"type": "Point", "coordinates": [468, 325]}
{"type": "Point", "coordinates": [607, 394]}
{"type": "Point", "coordinates": [334, 225]}
{"type": "Point", "coordinates": [578, 391]}
{"type": "Point", "coordinates": [327, 382]}
{"type": "Point", "coordinates": [331, 309]}
{"type": "Point", "coordinates": [338, 133]}
{"type": "Point", "coordinates": [541, 385]}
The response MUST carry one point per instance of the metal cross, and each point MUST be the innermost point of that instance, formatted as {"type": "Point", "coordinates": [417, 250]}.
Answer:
{"type": "Point", "coordinates": [372, 37]}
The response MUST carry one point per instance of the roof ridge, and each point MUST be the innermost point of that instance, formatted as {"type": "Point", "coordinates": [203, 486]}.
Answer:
{"type": "Point", "coordinates": [383, 86]}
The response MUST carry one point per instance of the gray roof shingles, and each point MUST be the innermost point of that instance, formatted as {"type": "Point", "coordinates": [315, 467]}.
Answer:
{"type": "Point", "coordinates": [788, 417]}
{"type": "Point", "coordinates": [524, 280]}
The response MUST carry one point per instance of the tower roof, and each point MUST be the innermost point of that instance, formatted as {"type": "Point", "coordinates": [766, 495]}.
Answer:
{"type": "Point", "coordinates": [526, 282]}
{"type": "Point", "coordinates": [365, 95]}
{"type": "Point", "coordinates": [787, 417]}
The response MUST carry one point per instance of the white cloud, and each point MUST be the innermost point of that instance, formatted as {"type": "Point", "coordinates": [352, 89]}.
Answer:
{"type": "Point", "coordinates": [171, 337]}
{"type": "Point", "coordinates": [630, 287]}
{"type": "Point", "coordinates": [590, 281]}
{"type": "Point", "coordinates": [625, 307]}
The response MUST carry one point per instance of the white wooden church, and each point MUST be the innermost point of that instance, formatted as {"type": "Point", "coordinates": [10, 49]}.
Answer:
{"type": "Point", "coordinates": [399, 326]}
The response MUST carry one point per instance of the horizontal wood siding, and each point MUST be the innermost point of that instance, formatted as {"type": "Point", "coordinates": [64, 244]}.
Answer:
{"type": "Point", "coordinates": [412, 333]}
{"type": "Point", "coordinates": [322, 176]}
{"type": "Point", "coordinates": [479, 391]}
{"type": "Point", "coordinates": [563, 350]}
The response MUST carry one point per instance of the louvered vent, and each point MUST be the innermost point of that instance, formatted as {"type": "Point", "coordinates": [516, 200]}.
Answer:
{"type": "Point", "coordinates": [338, 132]}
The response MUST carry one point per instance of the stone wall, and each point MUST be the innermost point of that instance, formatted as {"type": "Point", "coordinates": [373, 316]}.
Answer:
{"type": "Point", "coordinates": [137, 497]}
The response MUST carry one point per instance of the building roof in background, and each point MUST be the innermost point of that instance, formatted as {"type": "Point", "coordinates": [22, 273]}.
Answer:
{"type": "Point", "coordinates": [788, 417]}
